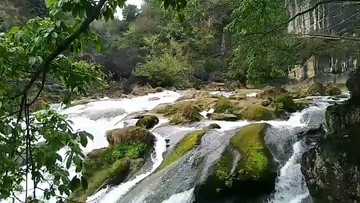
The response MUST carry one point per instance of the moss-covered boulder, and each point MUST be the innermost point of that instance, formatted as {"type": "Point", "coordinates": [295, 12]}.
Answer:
{"type": "Point", "coordinates": [316, 89]}
{"type": "Point", "coordinates": [223, 117]}
{"type": "Point", "coordinates": [332, 90]}
{"type": "Point", "coordinates": [271, 92]}
{"type": "Point", "coordinates": [112, 165]}
{"type": "Point", "coordinates": [185, 112]}
{"type": "Point", "coordinates": [244, 171]}
{"type": "Point", "coordinates": [147, 121]}
{"type": "Point", "coordinates": [128, 135]}
{"type": "Point", "coordinates": [285, 102]}
{"type": "Point", "coordinates": [186, 144]}
{"type": "Point", "coordinates": [256, 113]}
{"type": "Point", "coordinates": [224, 105]}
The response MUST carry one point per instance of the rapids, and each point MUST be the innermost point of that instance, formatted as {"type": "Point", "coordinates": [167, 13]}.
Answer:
{"type": "Point", "coordinates": [176, 183]}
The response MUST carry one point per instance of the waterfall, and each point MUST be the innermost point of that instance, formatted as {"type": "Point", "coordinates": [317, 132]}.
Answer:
{"type": "Point", "coordinates": [177, 182]}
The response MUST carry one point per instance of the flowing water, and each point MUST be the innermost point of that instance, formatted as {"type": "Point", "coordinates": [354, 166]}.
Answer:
{"type": "Point", "coordinates": [176, 183]}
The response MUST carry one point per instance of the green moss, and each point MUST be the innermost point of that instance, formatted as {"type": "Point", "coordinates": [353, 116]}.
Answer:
{"type": "Point", "coordinates": [223, 170]}
{"type": "Point", "coordinates": [284, 102]}
{"type": "Point", "coordinates": [223, 117]}
{"type": "Point", "coordinates": [300, 105]}
{"type": "Point", "coordinates": [332, 91]}
{"type": "Point", "coordinates": [255, 162]}
{"type": "Point", "coordinates": [115, 174]}
{"type": "Point", "coordinates": [186, 113]}
{"type": "Point", "coordinates": [224, 105]}
{"type": "Point", "coordinates": [256, 113]}
{"type": "Point", "coordinates": [186, 144]}
{"type": "Point", "coordinates": [147, 121]}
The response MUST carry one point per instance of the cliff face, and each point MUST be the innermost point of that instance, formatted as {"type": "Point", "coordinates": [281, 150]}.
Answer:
{"type": "Point", "coordinates": [338, 18]}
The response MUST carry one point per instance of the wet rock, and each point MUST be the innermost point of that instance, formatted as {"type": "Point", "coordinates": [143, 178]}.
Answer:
{"type": "Point", "coordinates": [154, 99]}
{"type": "Point", "coordinates": [223, 117]}
{"type": "Point", "coordinates": [186, 144]}
{"type": "Point", "coordinates": [265, 103]}
{"type": "Point", "coordinates": [256, 113]}
{"type": "Point", "coordinates": [316, 89]}
{"type": "Point", "coordinates": [331, 169]}
{"type": "Point", "coordinates": [353, 85]}
{"type": "Point", "coordinates": [331, 90]}
{"type": "Point", "coordinates": [285, 103]}
{"type": "Point", "coordinates": [129, 134]}
{"type": "Point", "coordinates": [245, 170]}
{"type": "Point", "coordinates": [271, 92]}
{"type": "Point", "coordinates": [147, 121]}
{"type": "Point", "coordinates": [213, 126]}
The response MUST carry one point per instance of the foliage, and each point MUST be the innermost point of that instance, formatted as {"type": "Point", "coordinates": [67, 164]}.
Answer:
{"type": "Point", "coordinates": [47, 47]}
{"type": "Point", "coordinates": [186, 144]}
{"type": "Point", "coordinates": [134, 150]}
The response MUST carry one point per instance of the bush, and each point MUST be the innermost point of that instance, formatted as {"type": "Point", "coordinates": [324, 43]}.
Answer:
{"type": "Point", "coordinates": [164, 71]}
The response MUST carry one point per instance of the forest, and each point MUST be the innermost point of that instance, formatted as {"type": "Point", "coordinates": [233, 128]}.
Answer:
{"type": "Point", "coordinates": [56, 51]}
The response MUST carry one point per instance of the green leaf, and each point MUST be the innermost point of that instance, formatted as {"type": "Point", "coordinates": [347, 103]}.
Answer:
{"type": "Point", "coordinates": [69, 160]}
{"type": "Point", "coordinates": [83, 139]}
{"type": "Point", "coordinates": [84, 183]}
{"type": "Point", "coordinates": [74, 183]}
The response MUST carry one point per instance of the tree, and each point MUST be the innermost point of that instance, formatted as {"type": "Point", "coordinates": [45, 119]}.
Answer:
{"type": "Point", "coordinates": [43, 48]}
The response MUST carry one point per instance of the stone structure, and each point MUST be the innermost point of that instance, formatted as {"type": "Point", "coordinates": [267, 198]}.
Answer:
{"type": "Point", "coordinates": [338, 18]}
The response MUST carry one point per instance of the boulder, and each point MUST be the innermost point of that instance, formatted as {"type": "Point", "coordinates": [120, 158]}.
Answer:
{"type": "Point", "coordinates": [129, 134]}
{"type": "Point", "coordinates": [186, 144]}
{"type": "Point", "coordinates": [265, 103]}
{"type": "Point", "coordinates": [223, 117]}
{"type": "Point", "coordinates": [213, 126]}
{"type": "Point", "coordinates": [353, 85]}
{"type": "Point", "coordinates": [284, 102]}
{"type": "Point", "coordinates": [256, 113]}
{"type": "Point", "coordinates": [316, 89]}
{"type": "Point", "coordinates": [147, 121]}
{"type": "Point", "coordinates": [271, 92]}
{"type": "Point", "coordinates": [244, 171]}
{"type": "Point", "coordinates": [332, 168]}
{"type": "Point", "coordinates": [331, 90]}
{"type": "Point", "coordinates": [224, 105]}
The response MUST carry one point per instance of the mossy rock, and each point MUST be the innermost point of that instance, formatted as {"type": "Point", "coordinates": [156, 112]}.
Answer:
{"type": "Point", "coordinates": [332, 91]}
{"type": "Point", "coordinates": [316, 89]}
{"type": "Point", "coordinates": [301, 105]}
{"type": "Point", "coordinates": [114, 174]}
{"type": "Point", "coordinates": [186, 113]}
{"type": "Point", "coordinates": [79, 102]}
{"type": "Point", "coordinates": [256, 159]}
{"type": "Point", "coordinates": [147, 121]}
{"type": "Point", "coordinates": [129, 135]}
{"type": "Point", "coordinates": [285, 102]}
{"type": "Point", "coordinates": [224, 105]}
{"type": "Point", "coordinates": [271, 92]}
{"type": "Point", "coordinates": [223, 117]}
{"type": "Point", "coordinates": [254, 175]}
{"type": "Point", "coordinates": [256, 113]}
{"type": "Point", "coordinates": [186, 144]}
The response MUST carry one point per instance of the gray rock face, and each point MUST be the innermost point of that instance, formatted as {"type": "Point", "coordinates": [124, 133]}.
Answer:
{"type": "Point", "coordinates": [331, 169]}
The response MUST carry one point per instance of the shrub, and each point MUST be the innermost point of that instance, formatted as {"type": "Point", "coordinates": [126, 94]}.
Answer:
{"type": "Point", "coordinates": [164, 71]}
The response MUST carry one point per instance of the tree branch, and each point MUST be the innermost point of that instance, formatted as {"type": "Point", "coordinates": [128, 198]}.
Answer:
{"type": "Point", "coordinates": [64, 45]}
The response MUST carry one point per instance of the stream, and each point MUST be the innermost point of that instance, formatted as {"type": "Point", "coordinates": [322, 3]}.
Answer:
{"type": "Point", "coordinates": [176, 183]}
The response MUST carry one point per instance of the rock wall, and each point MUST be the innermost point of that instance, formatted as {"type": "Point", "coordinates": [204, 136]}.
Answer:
{"type": "Point", "coordinates": [336, 18]}
{"type": "Point", "coordinates": [332, 168]}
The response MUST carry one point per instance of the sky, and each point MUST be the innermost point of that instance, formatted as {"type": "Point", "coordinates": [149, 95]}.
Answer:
{"type": "Point", "coordinates": [134, 2]}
